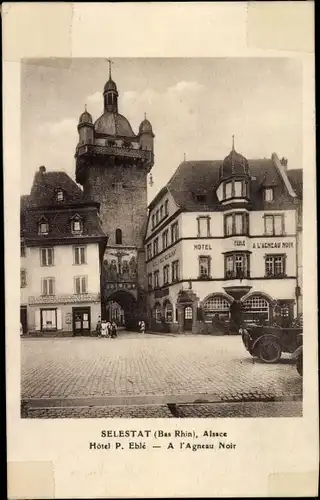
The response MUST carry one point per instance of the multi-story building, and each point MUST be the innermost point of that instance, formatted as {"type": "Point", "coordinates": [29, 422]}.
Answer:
{"type": "Point", "coordinates": [219, 231]}
{"type": "Point", "coordinates": [112, 164]}
{"type": "Point", "coordinates": [61, 248]}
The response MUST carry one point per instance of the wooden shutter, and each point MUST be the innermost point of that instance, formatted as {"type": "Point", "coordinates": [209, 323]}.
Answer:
{"type": "Point", "coordinates": [76, 255]}
{"type": "Point", "coordinates": [84, 284]}
{"type": "Point", "coordinates": [51, 286]}
{"type": "Point", "coordinates": [59, 319]}
{"type": "Point", "coordinates": [77, 285]}
{"type": "Point", "coordinates": [37, 319]}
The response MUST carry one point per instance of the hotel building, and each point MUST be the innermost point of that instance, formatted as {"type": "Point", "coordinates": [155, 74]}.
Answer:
{"type": "Point", "coordinates": [219, 231]}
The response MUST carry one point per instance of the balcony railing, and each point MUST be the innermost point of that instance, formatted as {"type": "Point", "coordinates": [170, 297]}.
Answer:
{"type": "Point", "coordinates": [114, 151]}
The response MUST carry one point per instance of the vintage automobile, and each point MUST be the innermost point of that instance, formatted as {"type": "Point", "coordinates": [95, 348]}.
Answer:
{"type": "Point", "coordinates": [269, 342]}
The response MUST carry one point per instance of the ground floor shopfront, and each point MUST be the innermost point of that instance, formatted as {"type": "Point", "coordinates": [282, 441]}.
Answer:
{"type": "Point", "coordinates": [197, 306]}
{"type": "Point", "coordinates": [61, 315]}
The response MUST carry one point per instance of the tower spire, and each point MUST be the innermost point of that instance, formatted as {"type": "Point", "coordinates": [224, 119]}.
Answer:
{"type": "Point", "coordinates": [233, 143]}
{"type": "Point", "coordinates": [110, 62]}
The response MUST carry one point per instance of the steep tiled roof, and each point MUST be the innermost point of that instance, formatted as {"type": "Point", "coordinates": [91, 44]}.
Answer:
{"type": "Point", "coordinates": [194, 178]}
{"type": "Point", "coordinates": [45, 185]}
{"type": "Point", "coordinates": [42, 202]}
{"type": "Point", "coordinates": [296, 179]}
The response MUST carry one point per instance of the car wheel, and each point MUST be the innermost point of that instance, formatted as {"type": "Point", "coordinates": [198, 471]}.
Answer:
{"type": "Point", "coordinates": [299, 364]}
{"type": "Point", "coordinates": [269, 350]}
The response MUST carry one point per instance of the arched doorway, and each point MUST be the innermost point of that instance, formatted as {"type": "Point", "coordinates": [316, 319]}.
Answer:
{"type": "Point", "coordinates": [122, 305]}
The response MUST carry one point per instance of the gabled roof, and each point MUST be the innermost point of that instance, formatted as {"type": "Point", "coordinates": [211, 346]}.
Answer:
{"type": "Point", "coordinates": [46, 184]}
{"type": "Point", "coordinates": [42, 202]}
{"type": "Point", "coordinates": [195, 177]}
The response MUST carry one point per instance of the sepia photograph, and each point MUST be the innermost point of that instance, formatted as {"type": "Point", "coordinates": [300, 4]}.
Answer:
{"type": "Point", "coordinates": [161, 238]}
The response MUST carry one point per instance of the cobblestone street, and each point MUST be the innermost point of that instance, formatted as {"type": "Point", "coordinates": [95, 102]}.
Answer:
{"type": "Point", "coordinates": [149, 370]}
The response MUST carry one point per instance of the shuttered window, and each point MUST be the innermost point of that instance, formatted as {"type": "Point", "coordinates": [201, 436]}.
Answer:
{"type": "Point", "coordinates": [80, 284]}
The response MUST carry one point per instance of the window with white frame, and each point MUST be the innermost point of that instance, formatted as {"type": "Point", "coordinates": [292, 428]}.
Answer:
{"type": "Point", "coordinates": [275, 265]}
{"type": "Point", "coordinates": [175, 270]}
{"type": "Point", "coordinates": [48, 286]}
{"type": "Point", "coordinates": [48, 319]}
{"type": "Point", "coordinates": [168, 312]}
{"type": "Point", "coordinates": [165, 239]}
{"type": "Point", "coordinates": [203, 226]}
{"type": "Point", "coordinates": [156, 279]}
{"type": "Point", "coordinates": [256, 309]}
{"type": "Point", "coordinates": [79, 254]}
{"type": "Point", "coordinates": [43, 226]}
{"type": "Point", "coordinates": [161, 212]}
{"type": "Point", "coordinates": [174, 232]}
{"type": "Point", "coordinates": [228, 188]}
{"type": "Point", "coordinates": [216, 306]}
{"type": "Point", "coordinates": [274, 225]}
{"type": "Point", "coordinates": [23, 278]}
{"type": "Point", "coordinates": [156, 246]}
{"type": "Point", "coordinates": [236, 223]}
{"type": "Point", "coordinates": [150, 281]}
{"type": "Point", "coordinates": [237, 189]}
{"type": "Point", "coordinates": [166, 274]}
{"type": "Point", "coordinates": [157, 216]}
{"type": "Point", "coordinates": [80, 284]}
{"type": "Point", "coordinates": [60, 195]}
{"type": "Point", "coordinates": [46, 256]}
{"type": "Point", "coordinates": [76, 224]}
{"type": "Point", "coordinates": [149, 251]}
{"type": "Point", "coordinates": [268, 194]}
{"type": "Point", "coordinates": [204, 266]}
{"type": "Point", "coordinates": [153, 221]}
{"type": "Point", "coordinates": [237, 265]}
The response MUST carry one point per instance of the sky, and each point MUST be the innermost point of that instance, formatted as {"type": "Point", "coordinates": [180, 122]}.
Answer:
{"type": "Point", "coordinates": [194, 105]}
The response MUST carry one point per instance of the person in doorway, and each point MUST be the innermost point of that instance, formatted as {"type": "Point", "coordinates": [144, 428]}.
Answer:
{"type": "Point", "coordinates": [98, 327]}
{"type": "Point", "coordinates": [104, 329]}
{"type": "Point", "coordinates": [21, 329]}
{"type": "Point", "coordinates": [113, 330]}
{"type": "Point", "coordinates": [142, 327]}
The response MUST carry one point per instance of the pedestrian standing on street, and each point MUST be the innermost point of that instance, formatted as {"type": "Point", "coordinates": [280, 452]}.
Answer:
{"type": "Point", "coordinates": [113, 330]}
{"type": "Point", "coordinates": [142, 326]}
{"type": "Point", "coordinates": [108, 329]}
{"type": "Point", "coordinates": [104, 329]}
{"type": "Point", "coordinates": [98, 328]}
{"type": "Point", "coordinates": [236, 312]}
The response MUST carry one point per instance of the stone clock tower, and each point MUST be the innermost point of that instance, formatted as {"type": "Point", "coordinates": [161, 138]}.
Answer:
{"type": "Point", "coordinates": [112, 164]}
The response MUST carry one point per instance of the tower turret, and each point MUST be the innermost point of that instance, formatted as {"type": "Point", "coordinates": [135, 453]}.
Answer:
{"type": "Point", "coordinates": [85, 128]}
{"type": "Point", "coordinates": [146, 135]}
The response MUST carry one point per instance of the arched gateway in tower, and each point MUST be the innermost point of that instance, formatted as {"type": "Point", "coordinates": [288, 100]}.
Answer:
{"type": "Point", "coordinates": [112, 164]}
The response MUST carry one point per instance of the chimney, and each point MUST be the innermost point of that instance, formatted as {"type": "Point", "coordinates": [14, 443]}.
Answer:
{"type": "Point", "coordinates": [42, 169]}
{"type": "Point", "coordinates": [284, 162]}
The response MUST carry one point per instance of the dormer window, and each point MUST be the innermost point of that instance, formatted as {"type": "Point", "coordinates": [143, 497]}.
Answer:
{"type": "Point", "coordinates": [60, 195]}
{"type": "Point", "coordinates": [43, 226]}
{"type": "Point", "coordinates": [232, 189]}
{"type": "Point", "coordinates": [76, 224]}
{"type": "Point", "coordinates": [268, 194]}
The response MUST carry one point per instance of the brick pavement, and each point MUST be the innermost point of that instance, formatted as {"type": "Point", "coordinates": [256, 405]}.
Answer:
{"type": "Point", "coordinates": [149, 365]}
